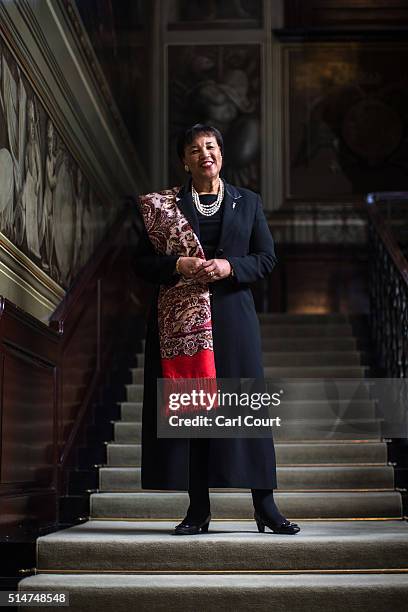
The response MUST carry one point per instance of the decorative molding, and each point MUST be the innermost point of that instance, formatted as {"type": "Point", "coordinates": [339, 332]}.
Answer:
{"type": "Point", "coordinates": [21, 279]}
{"type": "Point", "coordinates": [51, 66]}
{"type": "Point", "coordinates": [96, 72]}
{"type": "Point", "coordinates": [48, 210]}
{"type": "Point", "coordinates": [315, 223]}
{"type": "Point", "coordinates": [78, 103]}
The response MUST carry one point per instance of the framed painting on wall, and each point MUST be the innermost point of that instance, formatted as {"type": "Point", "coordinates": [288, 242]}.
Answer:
{"type": "Point", "coordinates": [345, 120]}
{"type": "Point", "coordinates": [218, 85]}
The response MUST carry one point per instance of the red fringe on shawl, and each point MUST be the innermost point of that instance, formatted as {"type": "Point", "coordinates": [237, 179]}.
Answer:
{"type": "Point", "coordinates": [198, 373]}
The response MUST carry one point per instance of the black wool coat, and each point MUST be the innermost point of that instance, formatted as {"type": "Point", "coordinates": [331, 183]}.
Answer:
{"type": "Point", "coordinates": [246, 242]}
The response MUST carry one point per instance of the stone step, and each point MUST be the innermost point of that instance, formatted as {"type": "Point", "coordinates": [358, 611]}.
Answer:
{"type": "Point", "coordinates": [296, 505]}
{"type": "Point", "coordinates": [329, 371]}
{"type": "Point", "coordinates": [306, 330]}
{"type": "Point", "coordinates": [127, 432]}
{"type": "Point", "coordinates": [289, 478]}
{"type": "Point", "coordinates": [293, 453]}
{"type": "Point", "coordinates": [298, 388]}
{"type": "Point", "coordinates": [151, 546]}
{"type": "Point", "coordinates": [132, 411]}
{"type": "Point", "coordinates": [302, 319]}
{"type": "Point", "coordinates": [331, 479]}
{"type": "Point", "coordinates": [123, 454]}
{"type": "Point", "coordinates": [262, 592]}
{"type": "Point", "coordinates": [134, 393]}
{"type": "Point", "coordinates": [312, 344]}
{"type": "Point", "coordinates": [317, 343]}
{"type": "Point", "coordinates": [294, 429]}
{"type": "Point", "coordinates": [296, 359]}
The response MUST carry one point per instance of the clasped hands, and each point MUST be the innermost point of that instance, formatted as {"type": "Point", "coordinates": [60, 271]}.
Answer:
{"type": "Point", "coordinates": [204, 271]}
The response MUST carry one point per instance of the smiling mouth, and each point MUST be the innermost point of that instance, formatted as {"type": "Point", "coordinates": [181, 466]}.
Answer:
{"type": "Point", "coordinates": [207, 164]}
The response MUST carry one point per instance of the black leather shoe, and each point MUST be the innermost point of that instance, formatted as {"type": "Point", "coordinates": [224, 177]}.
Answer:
{"type": "Point", "coordinates": [286, 527]}
{"type": "Point", "coordinates": [192, 527]}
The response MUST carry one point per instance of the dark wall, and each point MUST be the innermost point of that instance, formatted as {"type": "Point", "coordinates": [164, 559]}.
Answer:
{"type": "Point", "coordinates": [345, 13]}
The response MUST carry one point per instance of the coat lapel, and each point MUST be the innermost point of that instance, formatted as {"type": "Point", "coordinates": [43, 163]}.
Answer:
{"type": "Point", "coordinates": [229, 216]}
{"type": "Point", "coordinates": [184, 201]}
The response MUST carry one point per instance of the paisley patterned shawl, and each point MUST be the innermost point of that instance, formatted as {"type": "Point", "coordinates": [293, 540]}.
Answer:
{"type": "Point", "coordinates": [184, 310]}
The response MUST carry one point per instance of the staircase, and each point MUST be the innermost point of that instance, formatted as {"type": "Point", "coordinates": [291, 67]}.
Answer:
{"type": "Point", "coordinates": [352, 550]}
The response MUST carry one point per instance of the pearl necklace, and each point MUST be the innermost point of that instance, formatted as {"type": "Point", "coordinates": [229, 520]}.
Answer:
{"type": "Point", "coordinates": [210, 209]}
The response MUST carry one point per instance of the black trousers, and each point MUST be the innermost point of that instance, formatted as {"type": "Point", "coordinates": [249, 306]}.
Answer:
{"type": "Point", "coordinates": [198, 484]}
{"type": "Point", "coordinates": [198, 481]}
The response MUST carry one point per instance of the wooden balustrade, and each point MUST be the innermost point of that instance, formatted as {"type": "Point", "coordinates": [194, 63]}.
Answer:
{"type": "Point", "coordinates": [49, 377]}
{"type": "Point", "coordinates": [388, 293]}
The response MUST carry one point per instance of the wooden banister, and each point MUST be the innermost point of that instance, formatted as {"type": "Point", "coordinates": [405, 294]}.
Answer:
{"type": "Point", "coordinates": [389, 241]}
{"type": "Point", "coordinates": [49, 378]}
{"type": "Point", "coordinates": [388, 292]}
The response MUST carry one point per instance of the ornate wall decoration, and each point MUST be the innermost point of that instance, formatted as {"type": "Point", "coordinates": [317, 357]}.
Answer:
{"type": "Point", "coordinates": [346, 120]}
{"type": "Point", "coordinates": [218, 85]}
{"type": "Point", "coordinates": [48, 209]}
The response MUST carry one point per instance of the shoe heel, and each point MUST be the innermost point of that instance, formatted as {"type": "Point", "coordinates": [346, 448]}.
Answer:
{"type": "Point", "coordinates": [204, 528]}
{"type": "Point", "coordinates": [260, 524]}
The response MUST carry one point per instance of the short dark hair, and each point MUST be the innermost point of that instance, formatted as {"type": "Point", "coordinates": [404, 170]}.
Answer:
{"type": "Point", "coordinates": [185, 138]}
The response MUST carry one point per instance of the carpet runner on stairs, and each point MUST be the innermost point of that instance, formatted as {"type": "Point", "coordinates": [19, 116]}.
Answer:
{"type": "Point", "coordinates": [353, 546]}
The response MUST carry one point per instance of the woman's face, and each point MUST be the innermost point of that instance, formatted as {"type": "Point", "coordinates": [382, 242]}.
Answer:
{"type": "Point", "coordinates": [203, 157]}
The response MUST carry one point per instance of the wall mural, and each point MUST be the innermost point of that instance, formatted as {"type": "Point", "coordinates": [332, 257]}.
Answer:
{"type": "Point", "coordinates": [219, 85]}
{"type": "Point", "coordinates": [47, 207]}
{"type": "Point", "coordinates": [347, 120]}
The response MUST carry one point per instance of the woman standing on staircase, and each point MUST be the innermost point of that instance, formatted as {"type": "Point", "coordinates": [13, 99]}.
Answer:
{"type": "Point", "coordinates": [222, 244]}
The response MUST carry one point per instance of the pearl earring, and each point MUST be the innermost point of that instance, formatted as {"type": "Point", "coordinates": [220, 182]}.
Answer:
{"type": "Point", "coordinates": [186, 168]}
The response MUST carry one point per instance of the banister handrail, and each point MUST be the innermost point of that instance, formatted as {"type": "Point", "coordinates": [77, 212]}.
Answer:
{"type": "Point", "coordinates": [386, 196]}
{"type": "Point", "coordinates": [384, 232]}
{"type": "Point", "coordinates": [388, 290]}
